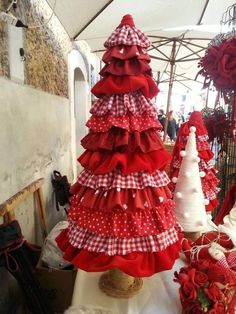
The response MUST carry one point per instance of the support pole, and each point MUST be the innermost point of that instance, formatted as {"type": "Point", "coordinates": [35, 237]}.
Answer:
{"type": "Point", "coordinates": [172, 74]}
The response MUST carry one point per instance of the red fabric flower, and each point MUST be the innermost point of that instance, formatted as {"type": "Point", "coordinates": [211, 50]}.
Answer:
{"type": "Point", "coordinates": [218, 308]}
{"type": "Point", "coordinates": [196, 309]}
{"type": "Point", "coordinates": [181, 277]}
{"type": "Point", "coordinates": [200, 278]}
{"type": "Point", "coordinates": [188, 292]}
{"type": "Point", "coordinates": [201, 265]}
{"type": "Point", "coordinates": [219, 65]}
{"type": "Point", "coordinates": [214, 293]}
{"type": "Point", "coordinates": [206, 288]}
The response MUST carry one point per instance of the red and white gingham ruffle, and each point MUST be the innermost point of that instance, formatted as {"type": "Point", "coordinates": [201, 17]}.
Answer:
{"type": "Point", "coordinates": [128, 122]}
{"type": "Point", "coordinates": [80, 238]}
{"type": "Point", "coordinates": [203, 165]}
{"type": "Point", "coordinates": [127, 35]}
{"type": "Point", "coordinates": [201, 142]}
{"type": "Point", "coordinates": [121, 104]}
{"type": "Point", "coordinates": [114, 179]}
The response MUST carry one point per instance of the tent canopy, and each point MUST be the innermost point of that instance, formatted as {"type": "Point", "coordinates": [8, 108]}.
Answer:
{"type": "Point", "coordinates": [93, 21]}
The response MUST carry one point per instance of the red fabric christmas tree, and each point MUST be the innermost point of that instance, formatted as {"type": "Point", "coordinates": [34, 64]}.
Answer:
{"type": "Point", "coordinates": [121, 215]}
{"type": "Point", "coordinates": [207, 172]}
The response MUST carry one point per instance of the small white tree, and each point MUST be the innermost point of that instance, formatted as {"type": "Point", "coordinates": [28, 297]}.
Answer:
{"type": "Point", "coordinates": [188, 196]}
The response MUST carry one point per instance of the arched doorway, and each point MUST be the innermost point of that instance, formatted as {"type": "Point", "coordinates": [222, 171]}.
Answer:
{"type": "Point", "coordinates": [80, 110]}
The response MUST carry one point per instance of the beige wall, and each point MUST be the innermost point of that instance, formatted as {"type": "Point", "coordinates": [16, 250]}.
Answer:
{"type": "Point", "coordinates": [35, 139]}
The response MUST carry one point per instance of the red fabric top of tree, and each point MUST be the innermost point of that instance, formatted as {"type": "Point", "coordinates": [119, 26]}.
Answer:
{"type": "Point", "coordinates": [121, 213]}
{"type": "Point", "coordinates": [207, 171]}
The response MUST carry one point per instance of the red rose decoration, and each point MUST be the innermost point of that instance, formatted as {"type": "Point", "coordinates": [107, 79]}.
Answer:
{"type": "Point", "coordinates": [206, 287]}
{"type": "Point", "coordinates": [214, 293]}
{"type": "Point", "coordinates": [188, 292]}
{"type": "Point", "coordinates": [181, 277]}
{"type": "Point", "coordinates": [202, 265]}
{"type": "Point", "coordinates": [200, 279]}
{"type": "Point", "coordinates": [219, 308]}
{"type": "Point", "coordinates": [219, 65]}
{"type": "Point", "coordinates": [196, 309]}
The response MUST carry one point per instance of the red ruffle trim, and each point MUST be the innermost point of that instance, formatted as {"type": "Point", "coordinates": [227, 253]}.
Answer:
{"type": "Point", "coordinates": [126, 67]}
{"type": "Point", "coordinates": [84, 239]}
{"type": "Point", "coordinates": [124, 52]}
{"type": "Point", "coordinates": [124, 104]}
{"type": "Point", "coordinates": [101, 163]}
{"type": "Point", "coordinates": [128, 122]}
{"type": "Point", "coordinates": [120, 139]}
{"type": "Point", "coordinates": [125, 84]}
{"type": "Point", "coordinates": [121, 223]}
{"type": "Point", "coordinates": [127, 200]}
{"type": "Point", "coordinates": [114, 179]}
{"type": "Point", "coordinates": [135, 264]}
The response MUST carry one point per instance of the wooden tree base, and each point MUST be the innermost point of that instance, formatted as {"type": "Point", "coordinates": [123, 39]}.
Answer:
{"type": "Point", "coordinates": [117, 284]}
{"type": "Point", "coordinates": [192, 235]}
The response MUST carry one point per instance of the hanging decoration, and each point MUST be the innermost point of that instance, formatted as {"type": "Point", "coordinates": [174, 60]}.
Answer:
{"type": "Point", "coordinates": [216, 123]}
{"type": "Point", "coordinates": [218, 66]}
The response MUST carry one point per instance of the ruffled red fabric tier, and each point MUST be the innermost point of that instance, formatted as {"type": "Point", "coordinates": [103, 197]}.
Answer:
{"type": "Point", "coordinates": [126, 67]}
{"type": "Point", "coordinates": [137, 264]}
{"type": "Point", "coordinates": [124, 52]}
{"type": "Point", "coordinates": [127, 162]}
{"type": "Point", "coordinates": [84, 239]}
{"type": "Point", "coordinates": [128, 122]}
{"type": "Point", "coordinates": [114, 179]}
{"type": "Point", "coordinates": [126, 199]}
{"type": "Point", "coordinates": [119, 139]}
{"type": "Point", "coordinates": [127, 35]}
{"type": "Point", "coordinates": [125, 84]}
{"type": "Point", "coordinates": [120, 223]}
{"type": "Point", "coordinates": [123, 104]}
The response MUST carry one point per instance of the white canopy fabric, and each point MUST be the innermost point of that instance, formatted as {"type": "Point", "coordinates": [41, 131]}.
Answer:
{"type": "Point", "coordinates": [94, 20]}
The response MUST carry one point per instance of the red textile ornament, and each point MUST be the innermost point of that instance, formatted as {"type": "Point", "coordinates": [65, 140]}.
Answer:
{"type": "Point", "coordinates": [127, 20]}
{"type": "Point", "coordinates": [121, 140]}
{"type": "Point", "coordinates": [216, 123]}
{"type": "Point", "coordinates": [121, 214]}
{"type": "Point", "coordinates": [124, 84]}
{"type": "Point", "coordinates": [227, 205]}
{"type": "Point", "coordinates": [101, 163]}
{"type": "Point", "coordinates": [219, 65]}
{"type": "Point", "coordinates": [209, 179]}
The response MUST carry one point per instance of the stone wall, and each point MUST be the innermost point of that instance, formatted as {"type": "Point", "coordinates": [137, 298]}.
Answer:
{"type": "Point", "coordinates": [4, 62]}
{"type": "Point", "coordinates": [46, 47]}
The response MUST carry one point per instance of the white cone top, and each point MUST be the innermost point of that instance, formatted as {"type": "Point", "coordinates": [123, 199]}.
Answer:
{"type": "Point", "coordinates": [189, 199]}
{"type": "Point", "coordinates": [229, 225]}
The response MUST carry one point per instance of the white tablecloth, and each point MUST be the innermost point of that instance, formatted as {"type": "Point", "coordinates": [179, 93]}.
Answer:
{"type": "Point", "coordinates": [159, 295]}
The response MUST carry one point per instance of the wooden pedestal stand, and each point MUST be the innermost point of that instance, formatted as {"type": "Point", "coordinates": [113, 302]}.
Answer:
{"type": "Point", "coordinates": [117, 284]}
{"type": "Point", "coordinates": [192, 235]}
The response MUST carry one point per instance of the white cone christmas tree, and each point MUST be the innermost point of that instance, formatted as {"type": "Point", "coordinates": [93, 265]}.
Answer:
{"type": "Point", "coordinates": [189, 198]}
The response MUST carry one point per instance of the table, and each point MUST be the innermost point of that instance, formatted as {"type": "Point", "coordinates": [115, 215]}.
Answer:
{"type": "Point", "coordinates": [159, 295]}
